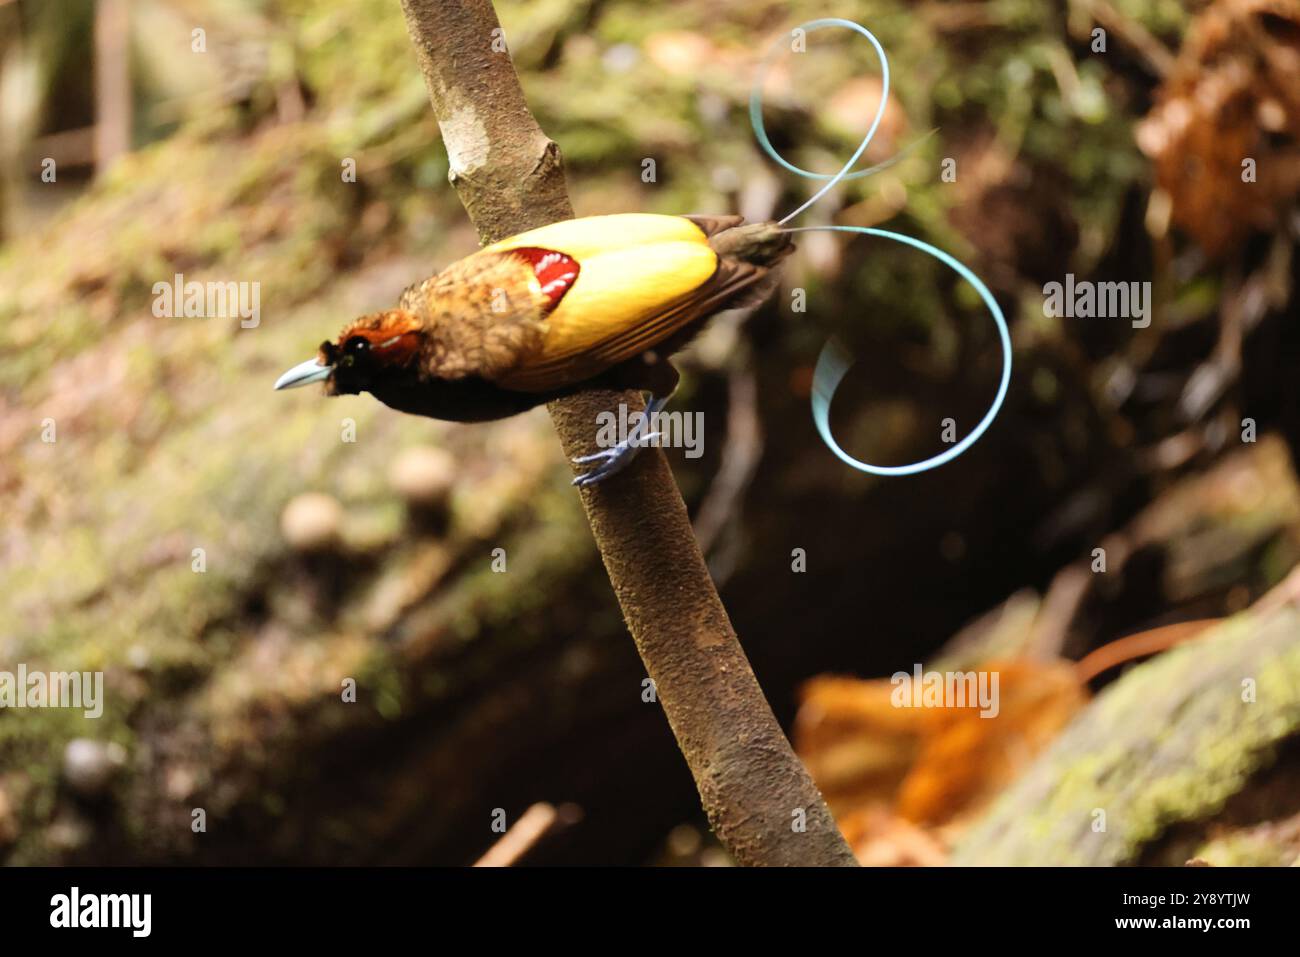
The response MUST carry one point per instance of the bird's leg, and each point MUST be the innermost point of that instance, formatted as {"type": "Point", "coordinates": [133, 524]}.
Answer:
{"type": "Point", "coordinates": [651, 373]}
{"type": "Point", "coordinates": [614, 460]}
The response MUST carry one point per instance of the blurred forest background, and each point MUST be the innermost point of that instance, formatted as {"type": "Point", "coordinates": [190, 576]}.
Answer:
{"type": "Point", "coordinates": [1163, 690]}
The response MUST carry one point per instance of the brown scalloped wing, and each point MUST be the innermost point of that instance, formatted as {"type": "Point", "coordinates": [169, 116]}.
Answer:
{"type": "Point", "coordinates": [483, 314]}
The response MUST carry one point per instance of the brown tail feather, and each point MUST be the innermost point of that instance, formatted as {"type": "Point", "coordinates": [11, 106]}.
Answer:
{"type": "Point", "coordinates": [712, 225]}
{"type": "Point", "coordinates": [762, 244]}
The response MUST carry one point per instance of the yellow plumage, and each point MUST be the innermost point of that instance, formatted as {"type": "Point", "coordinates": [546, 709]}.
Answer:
{"type": "Point", "coordinates": [623, 289]}
{"type": "Point", "coordinates": [634, 268]}
{"type": "Point", "coordinates": [593, 235]}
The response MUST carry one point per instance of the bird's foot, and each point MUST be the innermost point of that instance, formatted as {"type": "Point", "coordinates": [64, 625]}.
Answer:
{"type": "Point", "coordinates": [616, 459]}
{"type": "Point", "coordinates": [612, 460]}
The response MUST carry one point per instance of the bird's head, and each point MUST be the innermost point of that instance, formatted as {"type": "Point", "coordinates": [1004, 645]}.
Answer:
{"type": "Point", "coordinates": [374, 350]}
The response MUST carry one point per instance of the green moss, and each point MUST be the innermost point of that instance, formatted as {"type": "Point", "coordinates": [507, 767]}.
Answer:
{"type": "Point", "coordinates": [1253, 848]}
{"type": "Point", "coordinates": [1167, 743]}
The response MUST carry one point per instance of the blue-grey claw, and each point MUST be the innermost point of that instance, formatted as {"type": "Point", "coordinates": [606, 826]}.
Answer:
{"type": "Point", "coordinates": [614, 460]}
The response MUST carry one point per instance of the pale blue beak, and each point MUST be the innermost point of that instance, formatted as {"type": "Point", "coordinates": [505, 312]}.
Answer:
{"type": "Point", "coordinates": [304, 373]}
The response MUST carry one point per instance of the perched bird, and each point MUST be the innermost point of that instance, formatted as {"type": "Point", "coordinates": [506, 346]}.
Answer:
{"type": "Point", "coordinates": [599, 302]}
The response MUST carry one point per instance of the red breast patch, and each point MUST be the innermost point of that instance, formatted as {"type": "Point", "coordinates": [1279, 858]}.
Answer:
{"type": "Point", "coordinates": [555, 271]}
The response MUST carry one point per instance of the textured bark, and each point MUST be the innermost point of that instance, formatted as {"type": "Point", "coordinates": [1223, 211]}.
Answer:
{"type": "Point", "coordinates": [758, 796]}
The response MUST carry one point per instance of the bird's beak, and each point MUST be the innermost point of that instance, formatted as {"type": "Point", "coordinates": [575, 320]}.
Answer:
{"type": "Point", "coordinates": [302, 374]}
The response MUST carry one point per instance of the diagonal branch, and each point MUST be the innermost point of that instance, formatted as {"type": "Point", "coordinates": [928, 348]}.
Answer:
{"type": "Point", "coordinates": [758, 796]}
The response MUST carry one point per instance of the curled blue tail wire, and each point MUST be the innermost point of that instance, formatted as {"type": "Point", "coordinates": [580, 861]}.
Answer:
{"type": "Point", "coordinates": [834, 361]}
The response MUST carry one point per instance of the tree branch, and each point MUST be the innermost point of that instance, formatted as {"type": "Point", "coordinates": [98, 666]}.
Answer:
{"type": "Point", "coordinates": [758, 796]}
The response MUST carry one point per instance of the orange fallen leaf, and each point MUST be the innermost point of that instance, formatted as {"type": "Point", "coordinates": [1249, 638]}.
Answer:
{"type": "Point", "coordinates": [1224, 133]}
{"type": "Point", "coordinates": [928, 766]}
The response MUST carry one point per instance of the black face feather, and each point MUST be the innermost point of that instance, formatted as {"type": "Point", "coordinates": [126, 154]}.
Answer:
{"type": "Point", "coordinates": [354, 365]}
